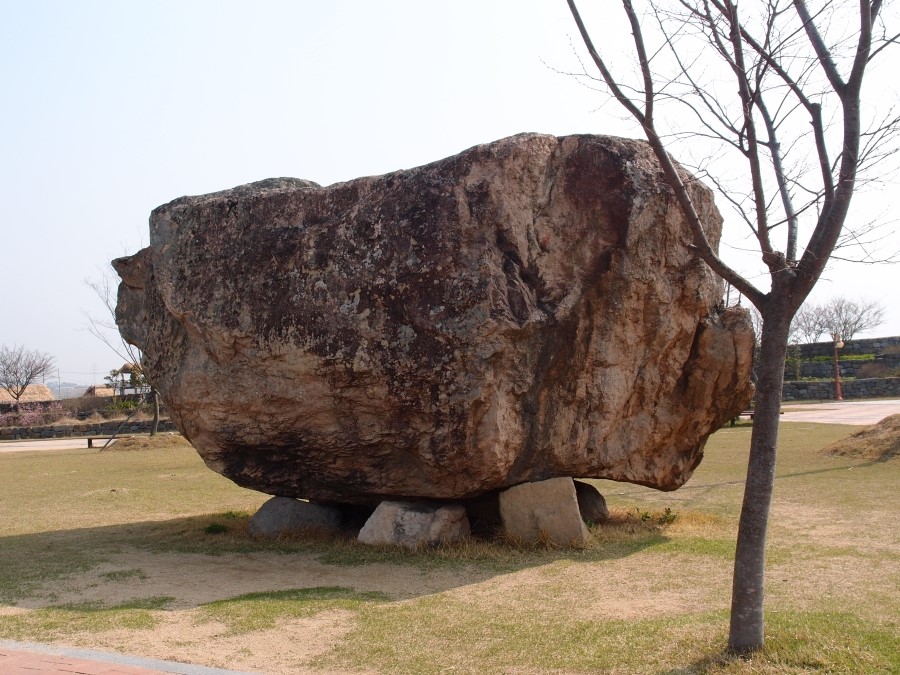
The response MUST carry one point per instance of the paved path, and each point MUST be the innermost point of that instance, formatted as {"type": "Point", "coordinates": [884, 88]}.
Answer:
{"type": "Point", "coordinates": [841, 412]}
{"type": "Point", "coordinates": [30, 445]}
{"type": "Point", "coordinates": [25, 658]}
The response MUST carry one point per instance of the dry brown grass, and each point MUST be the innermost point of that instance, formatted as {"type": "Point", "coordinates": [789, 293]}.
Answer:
{"type": "Point", "coordinates": [162, 441]}
{"type": "Point", "coordinates": [879, 442]}
{"type": "Point", "coordinates": [68, 420]}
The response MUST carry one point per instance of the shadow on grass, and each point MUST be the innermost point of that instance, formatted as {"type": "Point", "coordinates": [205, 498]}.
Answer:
{"type": "Point", "coordinates": [715, 662]}
{"type": "Point", "coordinates": [37, 569]}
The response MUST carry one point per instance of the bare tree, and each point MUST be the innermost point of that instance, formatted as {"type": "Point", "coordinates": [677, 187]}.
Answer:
{"type": "Point", "coordinates": [105, 329]}
{"type": "Point", "coordinates": [839, 316]}
{"type": "Point", "coordinates": [20, 367]}
{"type": "Point", "coordinates": [791, 113]}
{"type": "Point", "coordinates": [845, 318]}
{"type": "Point", "coordinates": [809, 324]}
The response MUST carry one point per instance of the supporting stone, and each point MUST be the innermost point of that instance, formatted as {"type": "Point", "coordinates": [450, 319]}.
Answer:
{"type": "Point", "coordinates": [545, 511]}
{"type": "Point", "coordinates": [282, 515]}
{"type": "Point", "coordinates": [591, 503]}
{"type": "Point", "coordinates": [415, 524]}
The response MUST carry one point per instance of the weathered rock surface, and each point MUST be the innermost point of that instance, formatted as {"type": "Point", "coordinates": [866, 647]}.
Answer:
{"type": "Point", "coordinates": [591, 503]}
{"type": "Point", "coordinates": [283, 515]}
{"type": "Point", "coordinates": [543, 512]}
{"type": "Point", "coordinates": [415, 524]}
{"type": "Point", "coordinates": [527, 309]}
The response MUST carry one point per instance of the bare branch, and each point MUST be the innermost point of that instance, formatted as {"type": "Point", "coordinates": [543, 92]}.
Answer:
{"type": "Point", "coordinates": [818, 45]}
{"type": "Point", "coordinates": [778, 167]}
{"type": "Point", "coordinates": [834, 212]}
{"type": "Point", "coordinates": [714, 133]}
{"type": "Point", "coordinates": [864, 43]}
{"type": "Point", "coordinates": [747, 104]}
{"type": "Point", "coordinates": [104, 328]}
{"type": "Point", "coordinates": [601, 66]}
{"type": "Point", "coordinates": [709, 102]}
{"type": "Point", "coordinates": [887, 43]}
{"type": "Point", "coordinates": [814, 109]}
{"type": "Point", "coordinates": [704, 249]}
{"type": "Point", "coordinates": [728, 195]}
{"type": "Point", "coordinates": [642, 60]}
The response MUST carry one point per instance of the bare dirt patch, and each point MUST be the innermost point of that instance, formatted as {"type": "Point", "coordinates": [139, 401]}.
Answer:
{"type": "Point", "coordinates": [181, 636]}
{"type": "Point", "coordinates": [196, 579]}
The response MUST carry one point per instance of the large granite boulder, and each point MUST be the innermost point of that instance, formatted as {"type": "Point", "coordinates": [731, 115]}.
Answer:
{"type": "Point", "coordinates": [527, 309]}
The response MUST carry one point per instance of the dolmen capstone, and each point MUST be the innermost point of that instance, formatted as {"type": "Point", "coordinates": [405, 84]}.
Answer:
{"type": "Point", "coordinates": [526, 310]}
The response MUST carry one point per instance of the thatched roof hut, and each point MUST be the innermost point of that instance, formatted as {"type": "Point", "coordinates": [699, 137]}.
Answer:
{"type": "Point", "coordinates": [32, 394]}
{"type": "Point", "coordinates": [99, 390]}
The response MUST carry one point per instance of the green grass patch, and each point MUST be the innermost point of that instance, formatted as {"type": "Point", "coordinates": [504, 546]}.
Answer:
{"type": "Point", "coordinates": [835, 642]}
{"type": "Point", "coordinates": [123, 575]}
{"type": "Point", "coordinates": [721, 548]}
{"type": "Point", "coordinates": [843, 357]}
{"type": "Point", "coordinates": [260, 611]}
{"type": "Point", "coordinates": [156, 602]}
{"type": "Point", "coordinates": [68, 620]}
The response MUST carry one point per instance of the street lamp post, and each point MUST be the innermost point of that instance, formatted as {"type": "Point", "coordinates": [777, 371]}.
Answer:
{"type": "Point", "coordinates": [838, 344]}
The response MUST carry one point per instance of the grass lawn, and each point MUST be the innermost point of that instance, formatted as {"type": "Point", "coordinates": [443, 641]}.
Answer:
{"type": "Point", "coordinates": [144, 550]}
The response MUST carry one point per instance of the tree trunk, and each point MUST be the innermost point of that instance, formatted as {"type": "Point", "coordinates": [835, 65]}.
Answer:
{"type": "Point", "coordinates": [746, 633]}
{"type": "Point", "coordinates": [155, 396]}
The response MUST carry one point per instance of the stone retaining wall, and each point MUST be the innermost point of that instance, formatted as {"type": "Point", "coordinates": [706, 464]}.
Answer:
{"type": "Point", "coordinates": [82, 429]}
{"type": "Point", "coordinates": [879, 387]}
{"type": "Point", "coordinates": [855, 346]}
{"type": "Point", "coordinates": [848, 368]}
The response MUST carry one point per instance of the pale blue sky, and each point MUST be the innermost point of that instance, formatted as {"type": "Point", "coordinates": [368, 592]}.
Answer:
{"type": "Point", "coordinates": [112, 108]}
